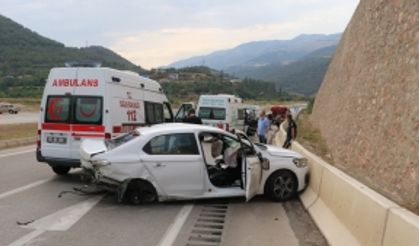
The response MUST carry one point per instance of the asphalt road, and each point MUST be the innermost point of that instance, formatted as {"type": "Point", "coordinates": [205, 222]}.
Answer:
{"type": "Point", "coordinates": [32, 213]}
{"type": "Point", "coordinates": [21, 117]}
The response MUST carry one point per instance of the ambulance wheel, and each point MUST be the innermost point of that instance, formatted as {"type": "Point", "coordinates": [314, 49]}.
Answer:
{"type": "Point", "coordinates": [60, 170]}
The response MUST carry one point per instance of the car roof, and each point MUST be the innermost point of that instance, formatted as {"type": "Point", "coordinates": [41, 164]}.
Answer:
{"type": "Point", "coordinates": [178, 128]}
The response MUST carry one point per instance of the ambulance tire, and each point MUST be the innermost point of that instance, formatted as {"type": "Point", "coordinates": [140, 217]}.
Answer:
{"type": "Point", "coordinates": [60, 170]}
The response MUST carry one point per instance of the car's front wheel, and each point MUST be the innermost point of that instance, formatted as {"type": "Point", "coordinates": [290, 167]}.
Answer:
{"type": "Point", "coordinates": [60, 170]}
{"type": "Point", "coordinates": [281, 186]}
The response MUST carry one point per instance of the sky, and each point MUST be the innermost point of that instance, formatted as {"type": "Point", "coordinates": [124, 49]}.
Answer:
{"type": "Point", "coordinates": [153, 33]}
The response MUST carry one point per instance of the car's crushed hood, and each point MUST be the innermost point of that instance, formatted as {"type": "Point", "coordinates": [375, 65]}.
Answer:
{"type": "Point", "coordinates": [280, 152]}
{"type": "Point", "coordinates": [92, 147]}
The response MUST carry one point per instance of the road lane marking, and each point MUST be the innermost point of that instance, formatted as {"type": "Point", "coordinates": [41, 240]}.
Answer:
{"type": "Point", "coordinates": [61, 220]}
{"type": "Point", "coordinates": [17, 153]}
{"type": "Point", "coordinates": [174, 229]}
{"type": "Point", "coordinates": [27, 238]}
{"type": "Point", "coordinates": [65, 218]}
{"type": "Point", "coordinates": [23, 188]}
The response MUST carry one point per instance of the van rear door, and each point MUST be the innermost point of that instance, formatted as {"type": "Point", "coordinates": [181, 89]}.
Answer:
{"type": "Point", "coordinates": [87, 121]}
{"type": "Point", "coordinates": [87, 108]}
{"type": "Point", "coordinates": [56, 128]}
{"type": "Point", "coordinates": [56, 116]}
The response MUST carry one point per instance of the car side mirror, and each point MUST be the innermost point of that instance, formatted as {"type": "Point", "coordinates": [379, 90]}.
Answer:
{"type": "Point", "coordinates": [260, 157]}
{"type": "Point", "coordinates": [264, 161]}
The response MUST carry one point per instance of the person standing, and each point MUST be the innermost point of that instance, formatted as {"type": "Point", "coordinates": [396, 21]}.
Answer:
{"type": "Point", "coordinates": [192, 118]}
{"type": "Point", "coordinates": [291, 131]}
{"type": "Point", "coordinates": [263, 127]}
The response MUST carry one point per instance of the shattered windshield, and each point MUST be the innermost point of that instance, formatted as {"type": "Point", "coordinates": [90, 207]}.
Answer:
{"type": "Point", "coordinates": [115, 142]}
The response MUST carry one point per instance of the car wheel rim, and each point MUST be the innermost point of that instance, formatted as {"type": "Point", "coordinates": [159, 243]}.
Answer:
{"type": "Point", "coordinates": [135, 198]}
{"type": "Point", "coordinates": [283, 187]}
{"type": "Point", "coordinates": [148, 196]}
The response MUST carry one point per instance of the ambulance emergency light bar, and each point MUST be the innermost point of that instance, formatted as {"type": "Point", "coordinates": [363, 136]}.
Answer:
{"type": "Point", "coordinates": [82, 64]}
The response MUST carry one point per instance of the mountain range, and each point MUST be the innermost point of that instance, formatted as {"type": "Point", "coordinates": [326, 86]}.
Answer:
{"type": "Point", "coordinates": [297, 65]}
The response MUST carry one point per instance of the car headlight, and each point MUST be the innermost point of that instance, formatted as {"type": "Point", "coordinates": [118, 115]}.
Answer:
{"type": "Point", "coordinates": [100, 163]}
{"type": "Point", "coordinates": [300, 162]}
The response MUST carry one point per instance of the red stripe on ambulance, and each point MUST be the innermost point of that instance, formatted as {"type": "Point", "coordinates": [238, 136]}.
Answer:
{"type": "Point", "coordinates": [69, 127]}
{"type": "Point", "coordinates": [56, 126]}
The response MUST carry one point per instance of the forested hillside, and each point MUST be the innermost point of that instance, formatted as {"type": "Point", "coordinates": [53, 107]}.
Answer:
{"type": "Point", "coordinates": [26, 58]}
{"type": "Point", "coordinates": [188, 83]}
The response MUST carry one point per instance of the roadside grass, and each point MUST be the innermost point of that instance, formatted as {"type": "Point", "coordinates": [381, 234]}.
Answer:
{"type": "Point", "coordinates": [28, 104]}
{"type": "Point", "coordinates": [311, 138]}
{"type": "Point", "coordinates": [16, 131]}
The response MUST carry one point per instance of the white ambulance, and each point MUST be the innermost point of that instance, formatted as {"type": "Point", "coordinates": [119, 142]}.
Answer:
{"type": "Point", "coordinates": [223, 111]}
{"type": "Point", "coordinates": [93, 102]}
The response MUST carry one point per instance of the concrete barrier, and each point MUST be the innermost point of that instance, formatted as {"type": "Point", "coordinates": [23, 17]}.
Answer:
{"type": "Point", "coordinates": [402, 228]}
{"type": "Point", "coordinates": [350, 213]}
{"type": "Point", "coordinates": [17, 142]}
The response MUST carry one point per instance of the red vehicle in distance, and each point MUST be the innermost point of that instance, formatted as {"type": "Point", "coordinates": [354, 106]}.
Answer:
{"type": "Point", "coordinates": [279, 114]}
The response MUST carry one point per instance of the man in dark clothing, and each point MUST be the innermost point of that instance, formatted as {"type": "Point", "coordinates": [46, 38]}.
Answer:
{"type": "Point", "coordinates": [192, 118]}
{"type": "Point", "coordinates": [291, 131]}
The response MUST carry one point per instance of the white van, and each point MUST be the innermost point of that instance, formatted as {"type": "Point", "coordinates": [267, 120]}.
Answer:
{"type": "Point", "coordinates": [93, 102]}
{"type": "Point", "coordinates": [222, 110]}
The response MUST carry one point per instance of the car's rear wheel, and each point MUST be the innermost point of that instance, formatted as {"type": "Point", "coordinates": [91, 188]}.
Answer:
{"type": "Point", "coordinates": [140, 191]}
{"type": "Point", "coordinates": [281, 186]}
{"type": "Point", "coordinates": [60, 170]}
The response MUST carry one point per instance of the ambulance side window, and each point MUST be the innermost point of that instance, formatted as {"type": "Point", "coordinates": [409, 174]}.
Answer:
{"type": "Point", "coordinates": [58, 109]}
{"type": "Point", "coordinates": [153, 113]}
{"type": "Point", "coordinates": [167, 111]}
{"type": "Point", "coordinates": [241, 113]}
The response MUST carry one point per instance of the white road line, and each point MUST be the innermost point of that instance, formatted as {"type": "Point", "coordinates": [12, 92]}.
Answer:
{"type": "Point", "coordinates": [61, 220]}
{"type": "Point", "coordinates": [64, 219]}
{"type": "Point", "coordinates": [17, 153]}
{"type": "Point", "coordinates": [174, 229]}
{"type": "Point", "coordinates": [23, 188]}
{"type": "Point", "coordinates": [28, 237]}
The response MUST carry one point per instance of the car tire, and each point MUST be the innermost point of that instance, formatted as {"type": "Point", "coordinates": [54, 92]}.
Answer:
{"type": "Point", "coordinates": [281, 186]}
{"type": "Point", "coordinates": [140, 191]}
{"type": "Point", "coordinates": [11, 111]}
{"type": "Point", "coordinates": [60, 170]}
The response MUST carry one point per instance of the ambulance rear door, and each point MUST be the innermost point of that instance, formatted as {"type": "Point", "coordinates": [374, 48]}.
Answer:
{"type": "Point", "coordinates": [55, 118]}
{"type": "Point", "coordinates": [88, 108]}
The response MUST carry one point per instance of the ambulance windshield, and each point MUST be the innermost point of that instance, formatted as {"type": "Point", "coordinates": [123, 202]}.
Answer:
{"type": "Point", "coordinates": [212, 113]}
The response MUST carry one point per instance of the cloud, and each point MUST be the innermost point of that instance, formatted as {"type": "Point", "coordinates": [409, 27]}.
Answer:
{"type": "Point", "coordinates": [163, 46]}
{"type": "Point", "coordinates": [152, 33]}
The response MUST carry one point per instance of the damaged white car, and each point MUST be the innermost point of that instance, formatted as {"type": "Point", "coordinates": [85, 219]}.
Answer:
{"type": "Point", "coordinates": [176, 161]}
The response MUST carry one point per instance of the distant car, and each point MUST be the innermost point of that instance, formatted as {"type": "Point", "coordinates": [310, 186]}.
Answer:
{"type": "Point", "coordinates": [176, 161]}
{"type": "Point", "coordinates": [9, 108]}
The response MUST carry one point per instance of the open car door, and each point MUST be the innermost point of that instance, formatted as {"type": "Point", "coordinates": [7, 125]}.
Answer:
{"type": "Point", "coordinates": [252, 166]}
{"type": "Point", "coordinates": [253, 176]}
{"type": "Point", "coordinates": [182, 112]}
